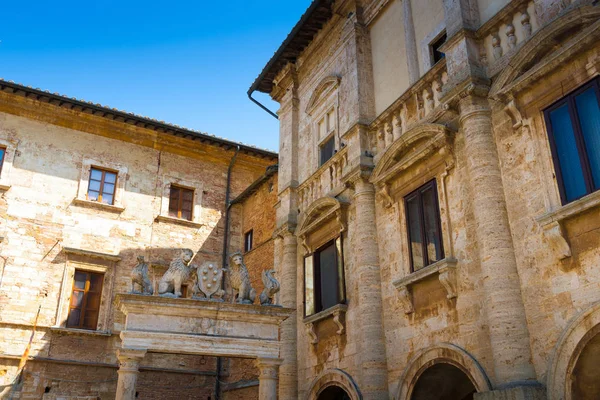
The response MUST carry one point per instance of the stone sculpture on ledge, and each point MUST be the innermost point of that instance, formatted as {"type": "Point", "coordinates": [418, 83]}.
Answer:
{"type": "Point", "coordinates": [139, 278]}
{"type": "Point", "coordinates": [178, 272]}
{"type": "Point", "coordinates": [242, 290]}
{"type": "Point", "coordinates": [209, 282]}
{"type": "Point", "coordinates": [271, 288]}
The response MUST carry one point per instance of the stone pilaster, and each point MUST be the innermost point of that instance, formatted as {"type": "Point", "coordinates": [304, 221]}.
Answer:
{"type": "Point", "coordinates": [412, 58]}
{"type": "Point", "coordinates": [267, 378]}
{"type": "Point", "coordinates": [373, 378]}
{"type": "Point", "coordinates": [503, 302]}
{"type": "Point", "coordinates": [129, 362]}
{"type": "Point", "coordinates": [288, 383]}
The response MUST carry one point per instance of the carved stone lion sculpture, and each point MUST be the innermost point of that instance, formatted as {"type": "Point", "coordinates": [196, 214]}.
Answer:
{"type": "Point", "coordinates": [240, 280]}
{"type": "Point", "coordinates": [178, 273]}
{"type": "Point", "coordinates": [139, 278]}
{"type": "Point", "coordinates": [271, 288]}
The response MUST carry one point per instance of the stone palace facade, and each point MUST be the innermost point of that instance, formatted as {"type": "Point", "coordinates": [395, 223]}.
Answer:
{"type": "Point", "coordinates": [438, 224]}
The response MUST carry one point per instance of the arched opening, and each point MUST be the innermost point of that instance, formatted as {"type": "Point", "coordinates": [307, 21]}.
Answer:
{"type": "Point", "coordinates": [334, 393]}
{"type": "Point", "coordinates": [443, 382]}
{"type": "Point", "coordinates": [586, 374]}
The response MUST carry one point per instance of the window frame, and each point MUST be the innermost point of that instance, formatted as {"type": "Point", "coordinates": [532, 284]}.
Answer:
{"type": "Point", "coordinates": [3, 149]}
{"type": "Point", "coordinates": [330, 132]}
{"type": "Point", "coordinates": [180, 210]}
{"type": "Point", "coordinates": [437, 40]}
{"type": "Point", "coordinates": [432, 184]}
{"type": "Point", "coordinates": [569, 99]}
{"type": "Point", "coordinates": [100, 191]}
{"type": "Point", "coordinates": [83, 309]}
{"type": "Point", "coordinates": [248, 234]}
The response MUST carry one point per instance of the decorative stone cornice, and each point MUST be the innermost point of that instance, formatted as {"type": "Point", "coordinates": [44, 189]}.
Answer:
{"type": "Point", "coordinates": [91, 254]}
{"type": "Point", "coordinates": [322, 91]}
{"type": "Point", "coordinates": [323, 211]}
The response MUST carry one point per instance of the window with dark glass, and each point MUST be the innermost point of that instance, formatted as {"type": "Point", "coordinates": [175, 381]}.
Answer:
{"type": "Point", "coordinates": [324, 278]}
{"type": "Point", "coordinates": [436, 54]}
{"type": "Point", "coordinates": [248, 240]}
{"type": "Point", "coordinates": [574, 130]}
{"type": "Point", "coordinates": [181, 202]}
{"type": "Point", "coordinates": [423, 222]}
{"type": "Point", "coordinates": [85, 300]}
{"type": "Point", "coordinates": [327, 150]}
{"type": "Point", "coordinates": [102, 185]}
{"type": "Point", "coordinates": [2, 153]}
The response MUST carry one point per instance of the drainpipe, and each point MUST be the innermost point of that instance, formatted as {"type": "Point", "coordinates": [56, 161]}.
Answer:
{"type": "Point", "coordinates": [250, 92]}
{"type": "Point", "coordinates": [224, 259]}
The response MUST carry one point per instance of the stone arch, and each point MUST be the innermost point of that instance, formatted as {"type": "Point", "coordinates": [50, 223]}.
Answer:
{"type": "Point", "coordinates": [323, 89]}
{"type": "Point", "coordinates": [444, 353]}
{"type": "Point", "coordinates": [569, 347]}
{"type": "Point", "coordinates": [333, 377]}
{"type": "Point", "coordinates": [534, 59]}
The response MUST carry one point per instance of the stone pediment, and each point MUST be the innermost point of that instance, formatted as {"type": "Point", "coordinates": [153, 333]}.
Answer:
{"type": "Point", "coordinates": [548, 49]}
{"type": "Point", "coordinates": [324, 212]}
{"type": "Point", "coordinates": [412, 147]}
{"type": "Point", "coordinates": [322, 91]}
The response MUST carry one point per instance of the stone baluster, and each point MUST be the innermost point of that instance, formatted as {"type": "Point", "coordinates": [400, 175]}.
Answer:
{"type": "Point", "coordinates": [510, 34]}
{"type": "Point", "coordinates": [497, 46]}
{"type": "Point", "coordinates": [267, 378]}
{"type": "Point", "coordinates": [483, 54]}
{"type": "Point", "coordinates": [129, 363]}
{"type": "Point", "coordinates": [389, 133]}
{"type": "Point", "coordinates": [428, 100]}
{"type": "Point", "coordinates": [396, 126]}
{"type": "Point", "coordinates": [437, 85]}
{"type": "Point", "coordinates": [526, 23]}
{"type": "Point", "coordinates": [380, 139]}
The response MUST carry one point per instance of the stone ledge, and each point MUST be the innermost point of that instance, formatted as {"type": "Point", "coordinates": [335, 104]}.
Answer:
{"type": "Point", "coordinates": [446, 270]}
{"type": "Point", "coordinates": [92, 254]}
{"type": "Point", "coordinates": [83, 332]}
{"type": "Point", "coordinates": [4, 187]}
{"type": "Point", "coordinates": [552, 222]}
{"type": "Point", "coordinates": [100, 206]}
{"type": "Point", "coordinates": [338, 312]}
{"type": "Point", "coordinates": [178, 221]}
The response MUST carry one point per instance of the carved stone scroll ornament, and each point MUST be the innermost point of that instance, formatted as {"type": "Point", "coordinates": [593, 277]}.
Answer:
{"type": "Point", "coordinates": [271, 288]}
{"type": "Point", "coordinates": [140, 281]}
{"type": "Point", "coordinates": [242, 290]}
{"type": "Point", "coordinates": [209, 282]}
{"type": "Point", "coordinates": [337, 319]}
{"type": "Point", "coordinates": [176, 275]}
{"type": "Point", "coordinates": [555, 236]}
{"type": "Point", "coordinates": [312, 334]}
{"type": "Point", "coordinates": [447, 278]}
{"type": "Point", "coordinates": [405, 300]}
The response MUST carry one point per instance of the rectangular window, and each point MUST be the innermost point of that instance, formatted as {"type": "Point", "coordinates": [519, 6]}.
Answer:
{"type": "Point", "coordinates": [102, 186]}
{"type": "Point", "coordinates": [324, 278]}
{"type": "Point", "coordinates": [2, 153]}
{"type": "Point", "coordinates": [436, 54]}
{"type": "Point", "coordinates": [85, 300]}
{"type": "Point", "coordinates": [248, 240]}
{"type": "Point", "coordinates": [327, 150]}
{"type": "Point", "coordinates": [181, 202]}
{"type": "Point", "coordinates": [574, 131]}
{"type": "Point", "coordinates": [423, 222]}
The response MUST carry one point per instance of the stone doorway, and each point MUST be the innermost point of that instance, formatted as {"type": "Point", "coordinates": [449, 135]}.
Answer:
{"type": "Point", "coordinates": [443, 382]}
{"type": "Point", "coordinates": [334, 393]}
{"type": "Point", "coordinates": [586, 374]}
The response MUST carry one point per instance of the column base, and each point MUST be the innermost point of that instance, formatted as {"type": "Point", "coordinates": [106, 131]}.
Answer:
{"type": "Point", "coordinates": [523, 392]}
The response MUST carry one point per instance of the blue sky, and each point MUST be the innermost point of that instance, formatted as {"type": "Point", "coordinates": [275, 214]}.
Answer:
{"type": "Point", "coordinates": [185, 62]}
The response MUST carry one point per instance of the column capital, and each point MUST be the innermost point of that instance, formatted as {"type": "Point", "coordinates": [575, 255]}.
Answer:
{"type": "Point", "coordinates": [268, 367]}
{"type": "Point", "coordinates": [129, 358]}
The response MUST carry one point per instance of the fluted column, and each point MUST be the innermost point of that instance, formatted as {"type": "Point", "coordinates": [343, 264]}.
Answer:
{"type": "Point", "coordinates": [267, 378]}
{"type": "Point", "coordinates": [509, 335]}
{"type": "Point", "coordinates": [288, 383]}
{"type": "Point", "coordinates": [365, 250]}
{"type": "Point", "coordinates": [129, 362]}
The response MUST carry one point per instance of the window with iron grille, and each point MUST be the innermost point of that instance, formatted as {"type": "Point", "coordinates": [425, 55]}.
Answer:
{"type": "Point", "coordinates": [85, 300]}
{"type": "Point", "coordinates": [181, 202]}
{"type": "Point", "coordinates": [102, 185]}
{"type": "Point", "coordinates": [574, 131]}
{"type": "Point", "coordinates": [423, 223]}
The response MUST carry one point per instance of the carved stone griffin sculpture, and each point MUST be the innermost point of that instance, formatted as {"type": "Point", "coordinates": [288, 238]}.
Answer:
{"type": "Point", "coordinates": [240, 280]}
{"type": "Point", "coordinates": [178, 273]}
{"type": "Point", "coordinates": [271, 288]}
{"type": "Point", "coordinates": [139, 277]}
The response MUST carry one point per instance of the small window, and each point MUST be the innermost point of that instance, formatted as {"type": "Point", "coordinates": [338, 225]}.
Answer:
{"type": "Point", "coordinates": [248, 240]}
{"type": "Point", "coordinates": [181, 201]}
{"type": "Point", "coordinates": [102, 186]}
{"type": "Point", "coordinates": [85, 300]}
{"type": "Point", "coordinates": [574, 131]}
{"type": "Point", "coordinates": [2, 153]}
{"type": "Point", "coordinates": [324, 278]}
{"type": "Point", "coordinates": [423, 222]}
{"type": "Point", "coordinates": [327, 150]}
{"type": "Point", "coordinates": [436, 54]}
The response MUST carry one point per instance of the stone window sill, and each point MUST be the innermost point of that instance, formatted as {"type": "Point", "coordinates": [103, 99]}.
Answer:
{"type": "Point", "coordinates": [553, 221]}
{"type": "Point", "coordinates": [338, 312]}
{"type": "Point", "coordinates": [97, 205]}
{"type": "Point", "coordinates": [83, 332]}
{"type": "Point", "coordinates": [178, 221]}
{"type": "Point", "coordinates": [446, 271]}
{"type": "Point", "coordinates": [4, 187]}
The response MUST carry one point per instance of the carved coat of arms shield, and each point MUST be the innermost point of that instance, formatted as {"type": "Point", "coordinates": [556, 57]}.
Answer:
{"type": "Point", "coordinates": [210, 277]}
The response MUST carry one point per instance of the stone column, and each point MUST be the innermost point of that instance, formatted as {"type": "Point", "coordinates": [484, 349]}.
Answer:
{"type": "Point", "coordinates": [366, 254]}
{"type": "Point", "coordinates": [129, 362]}
{"type": "Point", "coordinates": [288, 383]}
{"type": "Point", "coordinates": [509, 335]}
{"type": "Point", "coordinates": [412, 58]}
{"type": "Point", "coordinates": [267, 387]}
